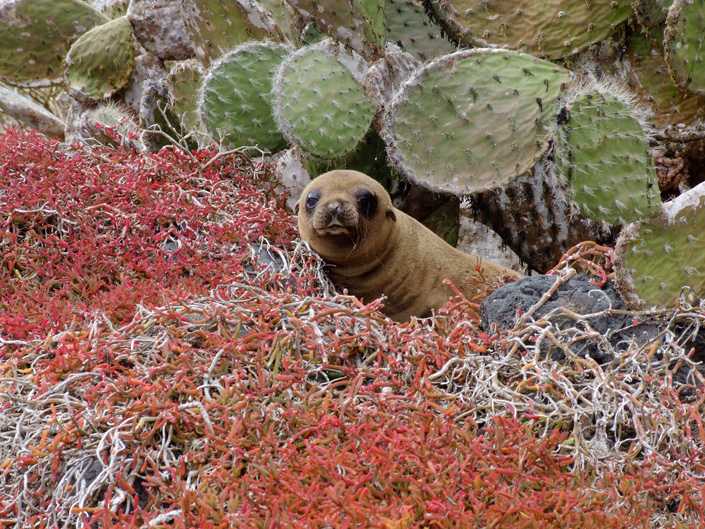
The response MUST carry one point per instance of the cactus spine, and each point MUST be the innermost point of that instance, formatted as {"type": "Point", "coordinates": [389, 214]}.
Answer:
{"type": "Point", "coordinates": [551, 28]}
{"type": "Point", "coordinates": [658, 259]}
{"type": "Point", "coordinates": [408, 25]}
{"type": "Point", "coordinates": [217, 26]}
{"type": "Point", "coordinates": [358, 24]}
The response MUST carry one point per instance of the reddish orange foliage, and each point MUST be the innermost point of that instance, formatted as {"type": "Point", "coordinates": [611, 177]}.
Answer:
{"type": "Point", "coordinates": [234, 419]}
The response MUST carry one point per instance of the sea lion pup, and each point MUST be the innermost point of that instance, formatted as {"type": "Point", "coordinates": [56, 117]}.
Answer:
{"type": "Point", "coordinates": [374, 249]}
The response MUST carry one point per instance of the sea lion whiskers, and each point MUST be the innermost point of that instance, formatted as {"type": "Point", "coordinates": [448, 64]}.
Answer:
{"type": "Point", "coordinates": [357, 236]}
{"type": "Point", "coordinates": [359, 233]}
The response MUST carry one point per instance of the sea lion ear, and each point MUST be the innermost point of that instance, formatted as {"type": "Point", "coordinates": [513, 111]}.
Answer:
{"type": "Point", "coordinates": [296, 208]}
{"type": "Point", "coordinates": [391, 214]}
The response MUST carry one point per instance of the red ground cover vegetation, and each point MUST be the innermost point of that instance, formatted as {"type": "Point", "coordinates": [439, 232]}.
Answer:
{"type": "Point", "coordinates": [86, 232]}
{"type": "Point", "coordinates": [152, 372]}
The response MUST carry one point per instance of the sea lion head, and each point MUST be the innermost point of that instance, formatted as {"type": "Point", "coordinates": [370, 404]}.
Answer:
{"type": "Point", "coordinates": [345, 216]}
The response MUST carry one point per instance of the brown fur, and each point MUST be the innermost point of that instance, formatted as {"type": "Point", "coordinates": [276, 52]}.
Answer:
{"type": "Point", "coordinates": [386, 252]}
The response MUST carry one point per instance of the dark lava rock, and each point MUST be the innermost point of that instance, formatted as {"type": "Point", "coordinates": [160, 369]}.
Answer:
{"type": "Point", "coordinates": [501, 309]}
{"type": "Point", "coordinates": [264, 258]}
{"type": "Point", "coordinates": [619, 332]}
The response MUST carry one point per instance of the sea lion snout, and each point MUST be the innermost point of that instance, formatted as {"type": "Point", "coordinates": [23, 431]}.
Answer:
{"type": "Point", "coordinates": [343, 215]}
{"type": "Point", "coordinates": [334, 214]}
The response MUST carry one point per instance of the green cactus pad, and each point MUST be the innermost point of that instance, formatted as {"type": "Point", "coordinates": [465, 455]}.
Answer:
{"type": "Point", "coordinates": [602, 154]}
{"type": "Point", "coordinates": [284, 17]}
{"type": "Point", "coordinates": [100, 62]}
{"type": "Point", "coordinates": [35, 36]}
{"type": "Point", "coordinates": [359, 24]}
{"type": "Point", "coordinates": [473, 120]}
{"type": "Point", "coordinates": [236, 102]}
{"type": "Point", "coordinates": [550, 28]}
{"type": "Point", "coordinates": [319, 105]}
{"type": "Point", "coordinates": [651, 13]}
{"type": "Point", "coordinates": [646, 72]}
{"type": "Point", "coordinates": [112, 115]}
{"type": "Point", "coordinates": [185, 79]}
{"type": "Point", "coordinates": [685, 29]}
{"type": "Point", "coordinates": [408, 25]}
{"type": "Point", "coordinates": [657, 259]}
{"type": "Point", "coordinates": [215, 27]}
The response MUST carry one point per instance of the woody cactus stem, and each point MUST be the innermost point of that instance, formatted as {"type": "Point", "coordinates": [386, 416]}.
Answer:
{"type": "Point", "coordinates": [29, 113]}
{"type": "Point", "coordinates": [533, 218]}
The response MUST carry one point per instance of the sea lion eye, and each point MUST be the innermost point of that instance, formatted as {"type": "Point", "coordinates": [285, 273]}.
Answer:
{"type": "Point", "coordinates": [311, 201]}
{"type": "Point", "coordinates": [367, 202]}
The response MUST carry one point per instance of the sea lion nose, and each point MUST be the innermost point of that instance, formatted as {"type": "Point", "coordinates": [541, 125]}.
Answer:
{"type": "Point", "coordinates": [335, 208]}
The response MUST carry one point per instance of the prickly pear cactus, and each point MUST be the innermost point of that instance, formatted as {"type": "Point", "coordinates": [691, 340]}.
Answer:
{"type": "Point", "coordinates": [646, 72]}
{"type": "Point", "coordinates": [319, 104]}
{"type": "Point", "coordinates": [217, 26]}
{"type": "Point", "coordinates": [35, 36]}
{"type": "Point", "coordinates": [409, 27]}
{"type": "Point", "coordinates": [112, 8]}
{"type": "Point", "coordinates": [685, 28]}
{"type": "Point", "coordinates": [550, 28]}
{"type": "Point", "coordinates": [285, 18]}
{"type": "Point", "coordinates": [473, 120]}
{"type": "Point", "coordinates": [602, 152]}
{"type": "Point", "coordinates": [170, 105]}
{"type": "Point", "coordinates": [657, 259]}
{"type": "Point", "coordinates": [185, 79]}
{"type": "Point", "coordinates": [359, 24]}
{"type": "Point", "coordinates": [651, 13]}
{"type": "Point", "coordinates": [235, 103]}
{"type": "Point", "coordinates": [91, 125]}
{"type": "Point", "coordinates": [100, 62]}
